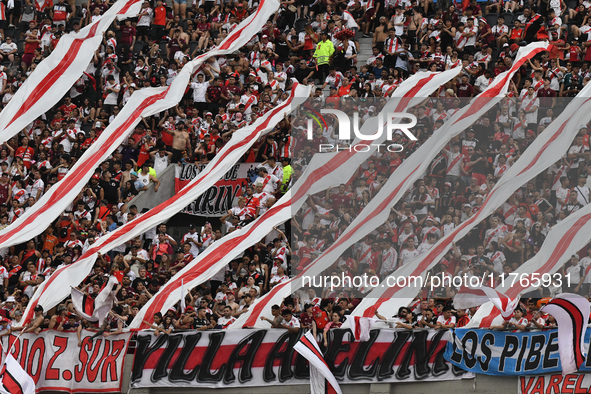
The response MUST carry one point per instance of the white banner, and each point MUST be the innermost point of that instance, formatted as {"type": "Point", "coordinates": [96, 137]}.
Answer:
{"type": "Point", "coordinates": [56, 363]}
{"type": "Point", "coordinates": [49, 295]}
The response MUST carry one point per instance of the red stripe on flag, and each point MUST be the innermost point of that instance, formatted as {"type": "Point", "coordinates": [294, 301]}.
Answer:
{"type": "Point", "coordinates": [578, 322]}
{"type": "Point", "coordinates": [11, 384]}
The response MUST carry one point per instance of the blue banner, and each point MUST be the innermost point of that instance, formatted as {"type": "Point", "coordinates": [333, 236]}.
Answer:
{"type": "Point", "coordinates": [507, 353]}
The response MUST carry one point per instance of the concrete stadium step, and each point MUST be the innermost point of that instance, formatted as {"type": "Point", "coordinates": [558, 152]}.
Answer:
{"type": "Point", "coordinates": [364, 51]}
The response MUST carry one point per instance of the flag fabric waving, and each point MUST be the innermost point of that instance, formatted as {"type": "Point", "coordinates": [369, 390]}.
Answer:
{"type": "Point", "coordinates": [360, 326]}
{"type": "Point", "coordinates": [321, 172]}
{"type": "Point", "coordinates": [143, 103]}
{"type": "Point", "coordinates": [469, 296]}
{"type": "Point", "coordinates": [51, 291]}
{"type": "Point", "coordinates": [548, 147]}
{"type": "Point", "coordinates": [403, 177]}
{"type": "Point", "coordinates": [55, 75]}
{"type": "Point", "coordinates": [571, 312]}
{"type": "Point", "coordinates": [309, 349]}
{"type": "Point", "coordinates": [14, 378]}
{"type": "Point", "coordinates": [95, 310]}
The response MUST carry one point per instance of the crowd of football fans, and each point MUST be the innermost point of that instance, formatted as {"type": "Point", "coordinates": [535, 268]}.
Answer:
{"type": "Point", "coordinates": [316, 43]}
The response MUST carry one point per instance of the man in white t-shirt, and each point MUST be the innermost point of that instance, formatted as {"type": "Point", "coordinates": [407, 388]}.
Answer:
{"type": "Point", "coordinates": [446, 319]}
{"type": "Point", "coordinates": [194, 239]}
{"type": "Point", "coordinates": [291, 323]}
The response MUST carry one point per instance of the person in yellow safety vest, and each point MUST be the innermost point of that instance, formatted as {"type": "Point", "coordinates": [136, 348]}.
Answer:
{"type": "Point", "coordinates": [322, 55]}
{"type": "Point", "coordinates": [287, 171]}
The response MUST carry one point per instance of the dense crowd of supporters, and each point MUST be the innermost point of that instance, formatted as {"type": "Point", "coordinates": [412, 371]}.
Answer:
{"type": "Point", "coordinates": [316, 43]}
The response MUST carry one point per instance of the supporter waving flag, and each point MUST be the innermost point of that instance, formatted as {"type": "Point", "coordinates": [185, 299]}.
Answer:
{"type": "Point", "coordinates": [571, 312]}
{"type": "Point", "coordinates": [320, 374]}
{"type": "Point", "coordinates": [95, 309]}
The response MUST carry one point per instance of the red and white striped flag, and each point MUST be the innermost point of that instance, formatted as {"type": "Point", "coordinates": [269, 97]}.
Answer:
{"type": "Point", "coordinates": [564, 239]}
{"type": "Point", "coordinates": [56, 74]}
{"type": "Point", "coordinates": [51, 291]}
{"type": "Point", "coordinates": [548, 147]}
{"type": "Point", "coordinates": [320, 373]}
{"type": "Point", "coordinates": [329, 169]}
{"type": "Point", "coordinates": [469, 296]}
{"type": "Point", "coordinates": [14, 378]}
{"type": "Point", "coordinates": [571, 312]}
{"type": "Point", "coordinates": [411, 169]}
{"type": "Point", "coordinates": [95, 310]}
{"type": "Point", "coordinates": [143, 103]}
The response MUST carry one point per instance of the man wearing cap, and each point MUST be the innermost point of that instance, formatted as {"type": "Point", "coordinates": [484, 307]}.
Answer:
{"type": "Point", "coordinates": [194, 239]}
{"type": "Point", "coordinates": [323, 54]}
{"type": "Point", "coordinates": [8, 306]}
{"type": "Point", "coordinates": [35, 324]}
{"type": "Point", "coordinates": [430, 228]}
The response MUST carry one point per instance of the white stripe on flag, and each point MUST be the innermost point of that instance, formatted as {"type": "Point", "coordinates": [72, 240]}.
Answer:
{"type": "Point", "coordinates": [470, 296]}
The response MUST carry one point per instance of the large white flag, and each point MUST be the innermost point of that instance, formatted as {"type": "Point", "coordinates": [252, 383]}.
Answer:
{"type": "Point", "coordinates": [95, 310]}
{"type": "Point", "coordinates": [571, 312]}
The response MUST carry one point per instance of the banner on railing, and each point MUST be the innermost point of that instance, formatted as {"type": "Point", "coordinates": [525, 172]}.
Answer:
{"type": "Point", "coordinates": [507, 353]}
{"type": "Point", "coordinates": [554, 384]}
{"type": "Point", "coordinates": [57, 362]}
{"type": "Point", "coordinates": [219, 198]}
{"type": "Point", "coordinates": [266, 357]}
